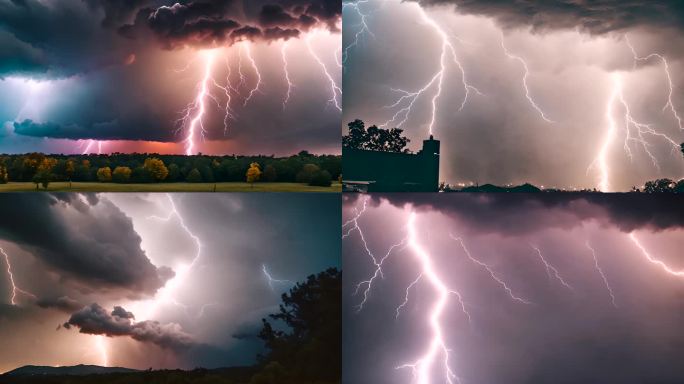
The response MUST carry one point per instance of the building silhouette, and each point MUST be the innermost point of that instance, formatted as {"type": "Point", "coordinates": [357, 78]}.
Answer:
{"type": "Point", "coordinates": [377, 171]}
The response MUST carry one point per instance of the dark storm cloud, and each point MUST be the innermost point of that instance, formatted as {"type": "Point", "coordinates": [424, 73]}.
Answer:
{"type": "Point", "coordinates": [522, 213]}
{"type": "Point", "coordinates": [63, 303]}
{"type": "Point", "coordinates": [97, 246]}
{"type": "Point", "coordinates": [55, 40]}
{"type": "Point", "coordinates": [595, 17]}
{"type": "Point", "coordinates": [207, 23]}
{"type": "Point", "coordinates": [95, 320]}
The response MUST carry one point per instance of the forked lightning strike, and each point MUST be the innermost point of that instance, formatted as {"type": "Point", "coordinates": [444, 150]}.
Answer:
{"type": "Point", "coordinates": [653, 260]}
{"type": "Point", "coordinates": [335, 90]}
{"type": "Point", "coordinates": [405, 102]}
{"type": "Point", "coordinates": [272, 280]}
{"type": "Point", "coordinates": [363, 26]}
{"type": "Point", "coordinates": [603, 275]}
{"type": "Point", "coordinates": [551, 270]}
{"type": "Point", "coordinates": [630, 124]}
{"type": "Point", "coordinates": [257, 72]}
{"type": "Point", "coordinates": [524, 80]}
{"type": "Point", "coordinates": [15, 288]}
{"type": "Point", "coordinates": [193, 114]}
{"type": "Point", "coordinates": [287, 74]}
{"type": "Point", "coordinates": [437, 348]}
{"type": "Point", "coordinates": [668, 105]}
{"type": "Point", "coordinates": [489, 270]}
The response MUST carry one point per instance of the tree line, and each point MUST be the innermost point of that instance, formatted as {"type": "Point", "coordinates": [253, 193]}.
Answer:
{"type": "Point", "coordinates": [42, 169]}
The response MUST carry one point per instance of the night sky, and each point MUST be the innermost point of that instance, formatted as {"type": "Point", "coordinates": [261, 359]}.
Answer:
{"type": "Point", "coordinates": [557, 324]}
{"type": "Point", "coordinates": [103, 76]}
{"type": "Point", "coordinates": [126, 266]}
{"type": "Point", "coordinates": [573, 56]}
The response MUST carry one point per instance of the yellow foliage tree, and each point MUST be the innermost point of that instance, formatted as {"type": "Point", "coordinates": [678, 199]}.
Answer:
{"type": "Point", "coordinates": [43, 173]}
{"type": "Point", "coordinates": [156, 168]}
{"type": "Point", "coordinates": [121, 174]}
{"type": "Point", "coordinates": [4, 177]}
{"type": "Point", "coordinates": [253, 173]}
{"type": "Point", "coordinates": [104, 174]}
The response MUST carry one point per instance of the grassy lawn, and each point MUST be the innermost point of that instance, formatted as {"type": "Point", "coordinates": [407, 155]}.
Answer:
{"type": "Point", "coordinates": [170, 187]}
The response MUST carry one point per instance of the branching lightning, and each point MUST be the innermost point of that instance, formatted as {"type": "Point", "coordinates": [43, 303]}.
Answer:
{"type": "Point", "coordinates": [653, 260]}
{"type": "Point", "coordinates": [551, 270]}
{"type": "Point", "coordinates": [272, 280]}
{"type": "Point", "coordinates": [363, 26]}
{"type": "Point", "coordinates": [630, 124]}
{"type": "Point", "coordinates": [668, 105]}
{"type": "Point", "coordinates": [524, 80]}
{"type": "Point", "coordinates": [257, 72]}
{"type": "Point", "coordinates": [335, 90]}
{"type": "Point", "coordinates": [15, 289]}
{"type": "Point", "coordinates": [287, 74]}
{"type": "Point", "coordinates": [406, 297]}
{"type": "Point", "coordinates": [423, 367]}
{"type": "Point", "coordinates": [489, 270]}
{"type": "Point", "coordinates": [603, 275]}
{"type": "Point", "coordinates": [193, 114]}
{"type": "Point", "coordinates": [407, 99]}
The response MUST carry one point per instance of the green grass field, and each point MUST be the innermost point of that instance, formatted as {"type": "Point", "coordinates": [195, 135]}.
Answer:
{"type": "Point", "coordinates": [169, 187]}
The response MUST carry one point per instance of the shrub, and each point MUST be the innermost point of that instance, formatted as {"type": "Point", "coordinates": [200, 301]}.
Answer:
{"type": "Point", "coordinates": [321, 179]}
{"type": "Point", "coordinates": [104, 174]}
{"type": "Point", "coordinates": [121, 175]}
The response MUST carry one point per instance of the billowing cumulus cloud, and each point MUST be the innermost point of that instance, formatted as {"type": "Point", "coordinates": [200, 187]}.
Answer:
{"type": "Point", "coordinates": [95, 320]}
{"type": "Point", "coordinates": [87, 239]}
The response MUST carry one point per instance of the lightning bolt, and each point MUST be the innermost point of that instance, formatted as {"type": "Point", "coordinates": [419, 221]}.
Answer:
{"type": "Point", "coordinates": [287, 74]}
{"type": "Point", "coordinates": [255, 68]}
{"type": "Point", "coordinates": [603, 275]}
{"type": "Point", "coordinates": [270, 278]}
{"type": "Point", "coordinates": [193, 114]}
{"type": "Point", "coordinates": [90, 144]}
{"type": "Point", "coordinates": [489, 270]}
{"type": "Point", "coordinates": [407, 99]}
{"type": "Point", "coordinates": [182, 271]}
{"type": "Point", "coordinates": [15, 289]}
{"type": "Point", "coordinates": [551, 269]}
{"type": "Point", "coordinates": [364, 29]}
{"type": "Point", "coordinates": [406, 297]}
{"type": "Point", "coordinates": [228, 110]}
{"type": "Point", "coordinates": [653, 260]}
{"type": "Point", "coordinates": [630, 123]}
{"type": "Point", "coordinates": [669, 105]}
{"type": "Point", "coordinates": [101, 347]}
{"type": "Point", "coordinates": [524, 80]}
{"type": "Point", "coordinates": [335, 90]}
{"type": "Point", "coordinates": [437, 347]}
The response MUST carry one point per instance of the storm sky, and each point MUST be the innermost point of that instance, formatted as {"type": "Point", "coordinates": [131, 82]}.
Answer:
{"type": "Point", "coordinates": [117, 280]}
{"type": "Point", "coordinates": [76, 72]}
{"type": "Point", "coordinates": [544, 329]}
{"type": "Point", "coordinates": [577, 58]}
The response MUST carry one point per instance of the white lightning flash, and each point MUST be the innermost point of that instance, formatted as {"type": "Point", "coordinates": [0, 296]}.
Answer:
{"type": "Point", "coordinates": [335, 90]}
{"type": "Point", "coordinates": [550, 269]}
{"type": "Point", "coordinates": [272, 280]}
{"type": "Point", "coordinates": [101, 347]}
{"type": "Point", "coordinates": [668, 105]}
{"type": "Point", "coordinates": [287, 74]}
{"type": "Point", "coordinates": [15, 289]}
{"type": "Point", "coordinates": [423, 367]}
{"type": "Point", "coordinates": [193, 114]}
{"type": "Point", "coordinates": [491, 273]}
{"type": "Point", "coordinates": [257, 72]}
{"type": "Point", "coordinates": [669, 270]}
{"type": "Point", "coordinates": [405, 102]}
{"type": "Point", "coordinates": [524, 80]}
{"type": "Point", "coordinates": [603, 275]}
{"type": "Point", "coordinates": [355, 6]}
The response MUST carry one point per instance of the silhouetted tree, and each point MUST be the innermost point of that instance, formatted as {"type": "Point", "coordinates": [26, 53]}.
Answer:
{"type": "Point", "coordinates": [659, 186]}
{"type": "Point", "coordinates": [374, 138]}
{"type": "Point", "coordinates": [310, 349]}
